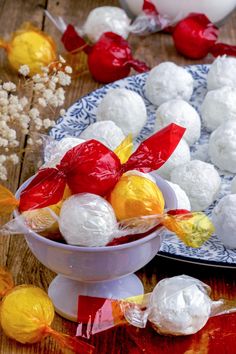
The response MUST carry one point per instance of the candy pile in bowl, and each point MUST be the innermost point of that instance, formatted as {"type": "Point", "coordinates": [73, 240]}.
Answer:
{"type": "Point", "coordinates": [92, 196]}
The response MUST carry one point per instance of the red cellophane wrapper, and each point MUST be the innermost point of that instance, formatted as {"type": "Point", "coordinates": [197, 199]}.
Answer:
{"type": "Point", "coordinates": [93, 168]}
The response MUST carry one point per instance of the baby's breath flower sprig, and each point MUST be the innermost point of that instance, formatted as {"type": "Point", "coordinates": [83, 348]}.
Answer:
{"type": "Point", "coordinates": [21, 115]}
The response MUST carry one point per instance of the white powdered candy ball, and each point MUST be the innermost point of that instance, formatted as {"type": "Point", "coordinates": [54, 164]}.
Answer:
{"type": "Point", "coordinates": [218, 107]}
{"type": "Point", "coordinates": [180, 305]}
{"type": "Point", "coordinates": [168, 81]}
{"type": "Point", "coordinates": [125, 108]}
{"type": "Point", "coordinates": [180, 156]}
{"type": "Point", "coordinates": [222, 73]}
{"type": "Point", "coordinates": [87, 220]}
{"type": "Point", "coordinates": [199, 180]}
{"type": "Point", "coordinates": [222, 146]}
{"type": "Point", "coordinates": [106, 132]}
{"type": "Point", "coordinates": [141, 174]}
{"type": "Point", "coordinates": [224, 220]}
{"type": "Point", "coordinates": [58, 149]}
{"type": "Point", "coordinates": [233, 186]}
{"type": "Point", "coordinates": [106, 19]}
{"type": "Point", "coordinates": [182, 198]}
{"type": "Point", "coordinates": [181, 113]}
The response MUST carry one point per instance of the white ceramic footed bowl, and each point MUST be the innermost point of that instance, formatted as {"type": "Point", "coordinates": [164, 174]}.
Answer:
{"type": "Point", "coordinates": [95, 271]}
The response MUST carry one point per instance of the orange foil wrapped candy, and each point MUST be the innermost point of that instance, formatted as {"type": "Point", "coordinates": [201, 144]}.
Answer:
{"type": "Point", "coordinates": [135, 196]}
{"type": "Point", "coordinates": [26, 314]}
{"type": "Point", "coordinates": [30, 46]}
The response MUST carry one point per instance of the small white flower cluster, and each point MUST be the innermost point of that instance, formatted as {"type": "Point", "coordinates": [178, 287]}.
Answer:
{"type": "Point", "coordinates": [18, 114]}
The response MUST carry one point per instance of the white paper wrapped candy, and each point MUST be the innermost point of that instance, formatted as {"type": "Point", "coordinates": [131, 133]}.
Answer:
{"type": "Point", "coordinates": [199, 180]}
{"type": "Point", "coordinates": [224, 220]}
{"type": "Point", "coordinates": [222, 73]}
{"type": "Point", "coordinates": [125, 108]}
{"type": "Point", "coordinates": [106, 132]}
{"type": "Point", "coordinates": [222, 146]}
{"type": "Point", "coordinates": [87, 220]}
{"type": "Point", "coordinates": [182, 113]}
{"type": "Point", "coordinates": [178, 306]}
{"type": "Point", "coordinates": [168, 81]}
{"type": "Point", "coordinates": [180, 156]}
{"type": "Point", "coordinates": [218, 107]}
{"type": "Point", "coordinates": [106, 19]}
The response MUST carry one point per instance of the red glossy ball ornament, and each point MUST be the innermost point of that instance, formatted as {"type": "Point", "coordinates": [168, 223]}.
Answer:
{"type": "Point", "coordinates": [194, 36]}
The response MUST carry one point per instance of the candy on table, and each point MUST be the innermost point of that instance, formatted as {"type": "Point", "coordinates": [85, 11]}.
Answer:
{"type": "Point", "coordinates": [222, 73]}
{"type": "Point", "coordinates": [180, 156]}
{"type": "Point", "coordinates": [26, 314]}
{"type": "Point", "coordinates": [141, 174]}
{"type": "Point", "coordinates": [30, 46]}
{"type": "Point", "coordinates": [222, 146]}
{"type": "Point", "coordinates": [181, 196]}
{"type": "Point", "coordinates": [135, 196]}
{"type": "Point", "coordinates": [180, 112]}
{"type": "Point", "coordinates": [87, 220]}
{"type": "Point", "coordinates": [233, 186]}
{"type": "Point", "coordinates": [107, 132]}
{"type": "Point", "coordinates": [105, 19]}
{"type": "Point", "coordinates": [109, 59]}
{"type": "Point", "coordinates": [125, 108]}
{"type": "Point", "coordinates": [199, 180]}
{"type": "Point", "coordinates": [218, 106]}
{"type": "Point", "coordinates": [92, 168]}
{"type": "Point", "coordinates": [168, 81]}
{"type": "Point", "coordinates": [224, 219]}
{"type": "Point", "coordinates": [178, 306]}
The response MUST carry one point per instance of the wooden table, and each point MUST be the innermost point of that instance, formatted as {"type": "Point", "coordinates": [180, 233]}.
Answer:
{"type": "Point", "coordinates": [218, 336]}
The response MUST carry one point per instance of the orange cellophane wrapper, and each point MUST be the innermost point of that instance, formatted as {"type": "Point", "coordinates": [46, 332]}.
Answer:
{"type": "Point", "coordinates": [8, 203]}
{"type": "Point", "coordinates": [6, 281]}
{"type": "Point", "coordinates": [26, 314]}
{"type": "Point", "coordinates": [30, 46]}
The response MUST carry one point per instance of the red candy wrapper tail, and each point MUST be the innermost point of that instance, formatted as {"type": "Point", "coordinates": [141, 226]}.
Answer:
{"type": "Point", "coordinates": [156, 150]}
{"type": "Point", "coordinates": [45, 189]}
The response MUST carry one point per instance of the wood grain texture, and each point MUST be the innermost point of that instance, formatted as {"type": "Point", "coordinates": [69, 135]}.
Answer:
{"type": "Point", "coordinates": [15, 254]}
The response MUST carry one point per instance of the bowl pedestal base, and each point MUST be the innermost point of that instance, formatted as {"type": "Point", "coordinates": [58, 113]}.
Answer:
{"type": "Point", "coordinates": [64, 292]}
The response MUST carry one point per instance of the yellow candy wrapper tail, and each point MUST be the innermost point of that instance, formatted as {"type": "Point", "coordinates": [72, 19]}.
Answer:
{"type": "Point", "coordinates": [6, 281]}
{"type": "Point", "coordinates": [125, 149]}
{"type": "Point", "coordinates": [193, 229]}
{"type": "Point", "coordinates": [8, 203]}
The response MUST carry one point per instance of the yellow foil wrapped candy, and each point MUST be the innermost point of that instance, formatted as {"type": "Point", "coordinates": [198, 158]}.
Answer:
{"type": "Point", "coordinates": [135, 196]}
{"type": "Point", "coordinates": [26, 313]}
{"type": "Point", "coordinates": [30, 46]}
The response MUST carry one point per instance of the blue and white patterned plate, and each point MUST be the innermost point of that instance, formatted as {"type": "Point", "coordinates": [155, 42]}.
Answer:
{"type": "Point", "coordinates": [83, 112]}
